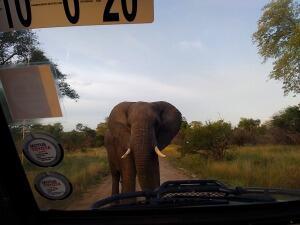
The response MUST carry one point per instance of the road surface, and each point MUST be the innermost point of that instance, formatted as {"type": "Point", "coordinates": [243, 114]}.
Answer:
{"type": "Point", "coordinates": [103, 190]}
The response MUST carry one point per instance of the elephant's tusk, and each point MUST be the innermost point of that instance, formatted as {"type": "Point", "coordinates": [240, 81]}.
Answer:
{"type": "Point", "coordinates": [126, 153]}
{"type": "Point", "coordinates": [158, 152]}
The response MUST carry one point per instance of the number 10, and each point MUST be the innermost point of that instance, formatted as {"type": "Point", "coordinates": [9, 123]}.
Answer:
{"type": "Point", "coordinates": [24, 22]}
{"type": "Point", "coordinates": [27, 22]}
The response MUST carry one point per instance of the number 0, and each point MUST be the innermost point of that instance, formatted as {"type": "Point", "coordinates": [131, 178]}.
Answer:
{"type": "Point", "coordinates": [73, 19]}
{"type": "Point", "coordinates": [129, 16]}
{"type": "Point", "coordinates": [24, 22]}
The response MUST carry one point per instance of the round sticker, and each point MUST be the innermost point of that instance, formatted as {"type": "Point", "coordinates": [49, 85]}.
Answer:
{"type": "Point", "coordinates": [53, 186]}
{"type": "Point", "coordinates": [42, 150]}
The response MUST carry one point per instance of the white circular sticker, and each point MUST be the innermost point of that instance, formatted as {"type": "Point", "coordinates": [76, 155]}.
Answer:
{"type": "Point", "coordinates": [42, 150]}
{"type": "Point", "coordinates": [53, 186]}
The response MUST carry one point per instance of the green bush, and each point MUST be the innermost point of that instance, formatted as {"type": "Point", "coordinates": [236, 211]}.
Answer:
{"type": "Point", "coordinates": [213, 137]}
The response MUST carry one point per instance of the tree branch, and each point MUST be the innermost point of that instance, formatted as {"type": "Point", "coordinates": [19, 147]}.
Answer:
{"type": "Point", "coordinates": [5, 61]}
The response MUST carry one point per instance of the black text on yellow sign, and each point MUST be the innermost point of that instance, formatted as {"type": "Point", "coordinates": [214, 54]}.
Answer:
{"type": "Point", "coordinates": [31, 14]}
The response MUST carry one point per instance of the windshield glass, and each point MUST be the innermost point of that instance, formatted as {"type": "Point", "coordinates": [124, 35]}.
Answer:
{"type": "Point", "coordinates": [208, 90]}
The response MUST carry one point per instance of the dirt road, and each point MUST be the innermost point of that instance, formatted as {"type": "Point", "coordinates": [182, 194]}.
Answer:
{"type": "Point", "coordinates": [103, 190]}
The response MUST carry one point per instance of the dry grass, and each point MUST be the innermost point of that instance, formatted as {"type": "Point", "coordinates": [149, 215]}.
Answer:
{"type": "Point", "coordinates": [267, 166]}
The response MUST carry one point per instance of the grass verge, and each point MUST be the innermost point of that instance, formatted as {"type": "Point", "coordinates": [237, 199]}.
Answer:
{"type": "Point", "coordinates": [263, 166]}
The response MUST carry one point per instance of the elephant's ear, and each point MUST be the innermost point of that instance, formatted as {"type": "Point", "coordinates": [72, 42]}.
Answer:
{"type": "Point", "coordinates": [170, 121]}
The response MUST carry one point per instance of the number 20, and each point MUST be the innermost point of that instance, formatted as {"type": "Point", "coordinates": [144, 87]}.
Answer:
{"type": "Point", "coordinates": [111, 17]}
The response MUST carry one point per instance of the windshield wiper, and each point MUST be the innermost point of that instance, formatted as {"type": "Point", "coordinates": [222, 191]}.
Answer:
{"type": "Point", "coordinates": [190, 193]}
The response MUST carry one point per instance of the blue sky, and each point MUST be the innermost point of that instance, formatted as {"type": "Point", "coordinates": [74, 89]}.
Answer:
{"type": "Point", "coordinates": [197, 55]}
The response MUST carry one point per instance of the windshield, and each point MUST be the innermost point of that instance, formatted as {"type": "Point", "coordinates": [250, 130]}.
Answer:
{"type": "Point", "coordinates": [208, 90]}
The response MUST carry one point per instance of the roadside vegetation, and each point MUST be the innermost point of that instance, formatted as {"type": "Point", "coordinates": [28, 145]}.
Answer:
{"type": "Point", "coordinates": [261, 166]}
{"type": "Point", "coordinates": [249, 154]}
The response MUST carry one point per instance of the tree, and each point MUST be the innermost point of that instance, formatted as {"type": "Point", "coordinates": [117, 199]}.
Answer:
{"type": "Point", "coordinates": [248, 124]}
{"type": "Point", "coordinates": [55, 129]}
{"type": "Point", "coordinates": [23, 47]}
{"type": "Point", "coordinates": [101, 129]}
{"type": "Point", "coordinates": [73, 140]}
{"type": "Point", "coordinates": [246, 132]}
{"type": "Point", "coordinates": [16, 46]}
{"type": "Point", "coordinates": [288, 119]}
{"type": "Point", "coordinates": [278, 38]}
{"type": "Point", "coordinates": [79, 126]}
{"type": "Point", "coordinates": [195, 124]}
{"type": "Point", "coordinates": [100, 132]}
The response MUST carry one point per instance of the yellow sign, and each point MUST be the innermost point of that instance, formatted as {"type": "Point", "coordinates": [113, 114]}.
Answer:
{"type": "Point", "coordinates": [30, 92]}
{"type": "Point", "coordinates": [31, 14]}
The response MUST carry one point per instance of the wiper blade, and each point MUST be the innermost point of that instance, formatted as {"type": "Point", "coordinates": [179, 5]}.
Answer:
{"type": "Point", "coordinates": [291, 192]}
{"type": "Point", "coordinates": [192, 192]}
{"type": "Point", "coordinates": [124, 196]}
{"type": "Point", "coordinates": [159, 196]}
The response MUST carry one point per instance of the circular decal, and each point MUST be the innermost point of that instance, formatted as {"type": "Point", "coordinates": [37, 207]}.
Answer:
{"type": "Point", "coordinates": [42, 150]}
{"type": "Point", "coordinates": [53, 186]}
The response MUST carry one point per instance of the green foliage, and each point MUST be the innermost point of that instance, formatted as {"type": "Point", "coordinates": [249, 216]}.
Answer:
{"type": "Point", "coordinates": [213, 137]}
{"type": "Point", "coordinates": [100, 132]}
{"type": "Point", "coordinates": [278, 38]}
{"type": "Point", "coordinates": [248, 124]}
{"type": "Point", "coordinates": [284, 127]}
{"type": "Point", "coordinates": [81, 138]}
{"type": "Point", "coordinates": [55, 129]}
{"type": "Point", "coordinates": [16, 46]}
{"type": "Point", "coordinates": [101, 128]}
{"type": "Point", "coordinates": [247, 132]}
{"type": "Point", "coordinates": [73, 140]}
{"type": "Point", "coordinates": [288, 119]}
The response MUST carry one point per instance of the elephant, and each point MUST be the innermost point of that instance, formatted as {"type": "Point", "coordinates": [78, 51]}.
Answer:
{"type": "Point", "coordinates": [136, 134]}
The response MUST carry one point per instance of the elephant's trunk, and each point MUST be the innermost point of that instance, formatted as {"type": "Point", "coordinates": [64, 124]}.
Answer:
{"type": "Point", "coordinates": [146, 161]}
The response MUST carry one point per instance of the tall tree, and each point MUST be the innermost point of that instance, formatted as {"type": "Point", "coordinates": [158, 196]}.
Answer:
{"type": "Point", "coordinates": [288, 119]}
{"type": "Point", "coordinates": [278, 38]}
{"type": "Point", "coordinates": [248, 124]}
{"type": "Point", "coordinates": [16, 46]}
{"type": "Point", "coordinates": [23, 47]}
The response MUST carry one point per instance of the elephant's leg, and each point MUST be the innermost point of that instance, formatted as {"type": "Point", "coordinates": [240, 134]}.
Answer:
{"type": "Point", "coordinates": [128, 174]}
{"type": "Point", "coordinates": [113, 162]}
{"type": "Point", "coordinates": [115, 182]}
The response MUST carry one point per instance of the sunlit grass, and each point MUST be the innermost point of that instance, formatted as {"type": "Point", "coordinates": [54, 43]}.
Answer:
{"type": "Point", "coordinates": [267, 166]}
{"type": "Point", "coordinates": [83, 169]}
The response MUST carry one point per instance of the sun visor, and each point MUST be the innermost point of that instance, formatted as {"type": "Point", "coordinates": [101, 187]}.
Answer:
{"type": "Point", "coordinates": [30, 92]}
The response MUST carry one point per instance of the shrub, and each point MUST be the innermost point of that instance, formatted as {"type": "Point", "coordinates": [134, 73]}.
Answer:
{"type": "Point", "coordinates": [214, 137]}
